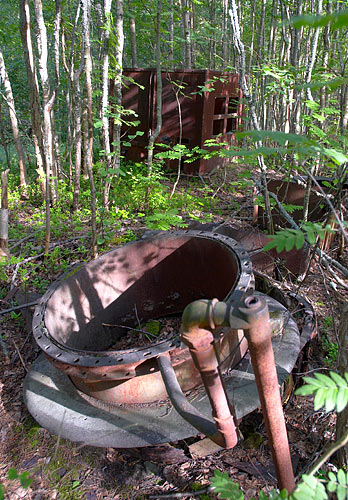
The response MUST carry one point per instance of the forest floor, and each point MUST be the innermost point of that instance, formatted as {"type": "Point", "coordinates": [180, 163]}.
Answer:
{"type": "Point", "coordinates": [68, 471]}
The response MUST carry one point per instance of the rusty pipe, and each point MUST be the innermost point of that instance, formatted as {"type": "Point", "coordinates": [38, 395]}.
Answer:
{"type": "Point", "coordinates": [182, 406]}
{"type": "Point", "coordinates": [255, 312]}
{"type": "Point", "coordinates": [197, 317]}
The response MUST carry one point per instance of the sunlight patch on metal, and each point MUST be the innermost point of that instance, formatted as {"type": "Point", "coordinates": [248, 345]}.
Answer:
{"type": "Point", "coordinates": [85, 392]}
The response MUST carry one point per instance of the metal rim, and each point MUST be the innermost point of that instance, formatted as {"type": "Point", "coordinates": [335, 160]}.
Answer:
{"type": "Point", "coordinates": [85, 358]}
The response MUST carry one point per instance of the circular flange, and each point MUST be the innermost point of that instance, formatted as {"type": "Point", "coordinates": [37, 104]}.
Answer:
{"type": "Point", "coordinates": [56, 404]}
{"type": "Point", "coordinates": [79, 318]}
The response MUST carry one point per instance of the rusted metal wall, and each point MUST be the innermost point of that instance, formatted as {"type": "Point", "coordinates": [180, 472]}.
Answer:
{"type": "Point", "coordinates": [204, 114]}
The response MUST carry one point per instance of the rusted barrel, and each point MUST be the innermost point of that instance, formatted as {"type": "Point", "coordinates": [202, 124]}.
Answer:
{"type": "Point", "coordinates": [88, 310]}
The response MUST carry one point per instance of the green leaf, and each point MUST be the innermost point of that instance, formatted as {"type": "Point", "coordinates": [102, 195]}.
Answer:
{"type": "Point", "coordinates": [270, 245]}
{"type": "Point", "coordinates": [25, 479]}
{"type": "Point", "coordinates": [325, 380]}
{"type": "Point", "coordinates": [319, 399]}
{"type": "Point", "coordinates": [12, 473]}
{"type": "Point", "coordinates": [312, 381]}
{"type": "Point", "coordinates": [332, 476]}
{"type": "Point", "coordinates": [341, 477]}
{"type": "Point", "coordinates": [330, 399]}
{"type": "Point", "coordinates": [339, 380]}
{"type": "Point", "coordinates": [310, 480]}
{"type": "Point", "coordinates": [331, 486]}
{"type": "Point", "coordinates": [342, 399]}
{"type": "Point", "coordinates": [226, 487]}
{"type": "Point", "coordinates": [2, 495]}
{"type": "Point", "coordinates": [300, 240]}
{"type": "Point", "coordinates": [341, 492]}
{"type": "Point", "coordinates": [311, 237]}
{"type": "Point", "coordinates": [305, 390]}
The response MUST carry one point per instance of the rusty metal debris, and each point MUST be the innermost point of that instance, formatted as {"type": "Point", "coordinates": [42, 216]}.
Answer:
{"type": "Point", "coordinates": [188, 117]}
{"type": "Point", "coordinates": [142, 280]}
{"type": "Point", "coordinates": [160, 275]}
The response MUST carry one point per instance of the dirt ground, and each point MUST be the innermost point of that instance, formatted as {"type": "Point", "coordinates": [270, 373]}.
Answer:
{"type": "Point", "coordinates": [67, 471]}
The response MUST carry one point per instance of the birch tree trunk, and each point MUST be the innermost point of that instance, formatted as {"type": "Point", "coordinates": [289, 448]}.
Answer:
{"type": "Point", "coordinates": [14, 122]}
{"type": "Point", "coordinates": [56, 146]}
{"type": "Point", "coordinates": [116, 159]}
{"type": "Point", "coordinates": [36, 127]}
{"type": "Point", "coordinates": [47, 103]}
{"type": "Point", "coordinates": [309, 70]}
{"type": "Point", "coordinates": [187, 33]}
{"type": "Point", "coordinates": [74, 107]}
{"type": "Point", "coordinates": [105, 88]}
{"type": "Point", "coordinates": [86, 4]}
{"type": "Point", "coordinates": [224, 27]}
{"type": "Point", "coordinates": [313, 54]}
{"type": "Point", "coordinates": [255, 122]}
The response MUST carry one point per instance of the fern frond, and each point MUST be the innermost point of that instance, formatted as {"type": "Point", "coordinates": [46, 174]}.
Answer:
{"type": "Point", "coordinates": [329, 391]}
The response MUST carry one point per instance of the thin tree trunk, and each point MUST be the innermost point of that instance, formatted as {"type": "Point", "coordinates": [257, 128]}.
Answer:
{"type": "Point", "coordinates": [245, 89]}
{"type": "Point", "coordinates": [14, 122]}
{"type": "Point", "coordinates": [224, 26]}
{"type": "Point", "coordinates": [77, 100]}
{"type": "Point", "coordinates": [252, 27]}
{"type": "Point", "coordinates": [157, 130]}
{"type": "Point", "coordinates": [342, 418]}
{"type": "Point", "coordinates": [187, 33]}
{"type": "Point", "coordinates": [75, 108]}
{"type": "Point", "coordinates": [47, 103]}
{"type": "Point", "coordinates": [25, 32]}
{"type": "Point", "coordinates": [4, 215]}
{"type": "Point", "coordinates": [3, 139]}
{"type": "Point", "coordinates": [116, 159]}
{"type": "Point", "coordinates": [192, 30]}
{"type": "Point", "coordinates": [313, 54]}
{"type": "Point", "coordinates": [261, 34]}
{"type": "Point", "coordinates": [56, 147]}
{"type": "Point", "coordinates": [105, 87]}
{"type": "Point", "coordinates": [171, 34]}
{"type": "Point", "coordinates": [309, 70]}
{"type": "Point", "coordinates": [89, 153]}
{"type": "Point", "coordinates": [133, 36]}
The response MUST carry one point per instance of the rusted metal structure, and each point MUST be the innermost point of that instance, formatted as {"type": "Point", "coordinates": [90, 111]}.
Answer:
{"type": "Point", "coordinates": [191, 111]}
{"type": "Point", "coordinates": [85, 391]}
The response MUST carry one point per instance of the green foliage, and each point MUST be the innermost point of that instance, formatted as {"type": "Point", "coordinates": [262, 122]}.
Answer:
{"type": "Point", "coordinates": [309, 488]}
{"type": "Point", "coordinates": [338, 483]}
{"type": "Point", "coordinates": [287, 239]}
{"type": "Point", "coordinates": [330, 391]}
{"type": "Point", "coordinates": [165, 220]}
{"type": "Point", "coordinates": [226, 488]}
{"type": "Point", "coordinates": [336, 20]}
{"type": "Point", "coordinates": [12, 474]}
{"type": "Point", "coordinates": [285, 143]}
{"type": "Point", "coordinates": [331, 350]}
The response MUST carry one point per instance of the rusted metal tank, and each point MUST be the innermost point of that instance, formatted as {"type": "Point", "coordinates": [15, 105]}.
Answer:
{"type": "Point", "coordinates": [191, 111]}
{"type": "Point", "coordinates": [86, 312]}
{"type": "Point", "coordinates": [292, 193]}
{"type": "Point", "coordinates": [86, 391]}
